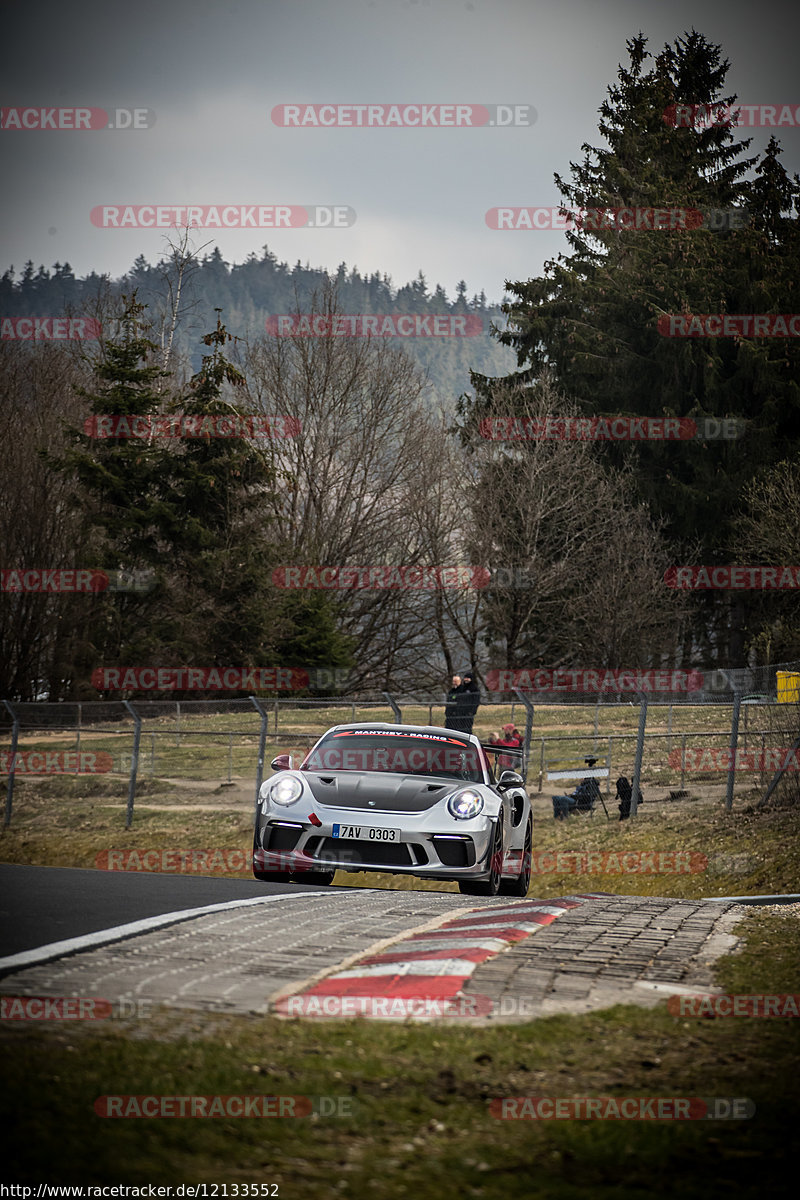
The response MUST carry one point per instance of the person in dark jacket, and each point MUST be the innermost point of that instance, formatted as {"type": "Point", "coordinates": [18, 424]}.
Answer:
{"type": "Point", "coordinates": [452, 708]}
{"type": "Point", "coordinates": [581, 800]}
{"type": "Point", "coordinates": [469, 701]}
{"type": "Point", "coordinates": [625, 796]}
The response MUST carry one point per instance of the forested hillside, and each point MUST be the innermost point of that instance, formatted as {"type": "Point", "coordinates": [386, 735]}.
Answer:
{"type": "Point", "coordinates": [382, 460]}
{"type": "Point", "coordinates": [250, 292]}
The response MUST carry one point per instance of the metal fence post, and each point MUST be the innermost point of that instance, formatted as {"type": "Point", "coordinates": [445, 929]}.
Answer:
{"type": "Point", "coordinates": [608, 764]}
{"type": "Point", "coordinates": [541, 766]}
{"type": "Point", "coordinates": [262, 743]}
{"type": "Point", "coordinates": [683, 761]}
{"type": "Point", "coordinates": [637, 768]}
{"type": "Point", "coordinates": [398, 716]}
{"type": "Point", "coordinates": [737, 705]}
{"type": "Point", "coordinates": [11, 765]}
{"type": "Point", "coordinates": [528, 730]}
{"type": "Point", "coordinates": [78, 741]}
{"type": "Point", "coordinates": [137, 735]}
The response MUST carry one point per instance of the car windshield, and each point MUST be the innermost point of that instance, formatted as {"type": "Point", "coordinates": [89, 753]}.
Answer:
{"type": "Point", "coordinates": [397, 754]}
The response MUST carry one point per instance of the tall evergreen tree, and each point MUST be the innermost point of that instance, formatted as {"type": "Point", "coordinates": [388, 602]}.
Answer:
{"type": "Point", "coordinates": [190, 509]}
{"type": "Point", "coordinates": [219, 548]}
{"type": "Point", "coordinates": [123, 485]}
{"type": "Point", "coordinates": [593, 317]}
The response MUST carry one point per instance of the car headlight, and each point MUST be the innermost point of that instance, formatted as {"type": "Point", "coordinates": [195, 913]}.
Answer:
{"type": "Point", "coordinates": [285, 789]}
{"type": "Point", "coordinates": [464, 805]}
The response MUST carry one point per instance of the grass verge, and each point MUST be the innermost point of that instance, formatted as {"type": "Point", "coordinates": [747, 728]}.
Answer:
{"type": "Point", "coordinates": [416, 1099]}
{"type": "Point", "coordinates": [76, 821]}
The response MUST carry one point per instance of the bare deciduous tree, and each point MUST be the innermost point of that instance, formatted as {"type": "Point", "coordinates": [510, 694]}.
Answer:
{"type": "Point", "coordinates": [585, 562]}
{"type": "Point", "coordinates": [39, 520]}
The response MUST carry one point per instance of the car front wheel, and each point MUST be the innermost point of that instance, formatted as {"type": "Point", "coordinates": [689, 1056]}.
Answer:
{"type": "Point", "coordinates": [520, 885]}
{"type": "Point", "coordinates": [490, 886]}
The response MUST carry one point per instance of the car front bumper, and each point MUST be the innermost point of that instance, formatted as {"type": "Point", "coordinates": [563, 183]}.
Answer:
{"type": "Point", "coordinates": [284, 844]}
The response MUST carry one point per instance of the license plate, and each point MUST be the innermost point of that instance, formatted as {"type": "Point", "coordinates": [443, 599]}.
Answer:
{"type": "Point", "coordinates": [366, 833]}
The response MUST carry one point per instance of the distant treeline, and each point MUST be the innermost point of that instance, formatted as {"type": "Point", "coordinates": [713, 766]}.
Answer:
{"type": "Point", "coordinates": [249, 293]}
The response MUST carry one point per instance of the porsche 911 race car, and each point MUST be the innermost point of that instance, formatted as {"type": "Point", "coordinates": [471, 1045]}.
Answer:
{"type": "Point", "coordinates": [410, 799]}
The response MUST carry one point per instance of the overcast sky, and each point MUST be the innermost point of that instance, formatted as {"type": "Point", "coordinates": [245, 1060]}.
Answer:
{"type": "Point", "coordinates": [213, 72]}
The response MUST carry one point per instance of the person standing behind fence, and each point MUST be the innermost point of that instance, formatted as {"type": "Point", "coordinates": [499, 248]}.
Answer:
{"type": "Point", "coordinates": [625, 796]}
{"type": "Point", "coordinates": [470, 700]}
{"type": "Point", "coordinates": [513, 739]}
{"type": "Point", "coordinates": [452, 708]}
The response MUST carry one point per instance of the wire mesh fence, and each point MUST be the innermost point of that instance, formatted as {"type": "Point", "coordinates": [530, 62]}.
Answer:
{"type": "Point", "coordinates": [736, 738]}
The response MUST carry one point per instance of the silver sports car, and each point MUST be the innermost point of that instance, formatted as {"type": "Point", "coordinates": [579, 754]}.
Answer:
{"type": "Point", "coordinates": [410, 799]}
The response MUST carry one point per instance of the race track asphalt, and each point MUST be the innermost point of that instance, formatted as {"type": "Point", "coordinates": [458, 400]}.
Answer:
{"type": "Point", "coordinates": [39, 905]}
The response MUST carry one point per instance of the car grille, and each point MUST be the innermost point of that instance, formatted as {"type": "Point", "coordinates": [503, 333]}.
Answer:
{"type": "Point", "coordinates": [353, 851]}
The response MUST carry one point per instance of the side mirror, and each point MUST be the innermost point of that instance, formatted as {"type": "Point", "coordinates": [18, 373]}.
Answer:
{"type": "Point", "coordinates": [283, 762]}
{"type": "Point", "coordinates": [508, 780]}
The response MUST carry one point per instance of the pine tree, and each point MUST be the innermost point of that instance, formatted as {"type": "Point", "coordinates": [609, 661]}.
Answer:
{"type": "Point", "coordinates": [219, 542]}
{"type": "Point", "coordinates": [593, 317]}
{"type": "Point", "coordinates": [124, 489]}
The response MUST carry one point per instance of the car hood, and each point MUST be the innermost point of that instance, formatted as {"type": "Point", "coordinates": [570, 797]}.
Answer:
{"type": "Point", "coordinates": [378, 791]}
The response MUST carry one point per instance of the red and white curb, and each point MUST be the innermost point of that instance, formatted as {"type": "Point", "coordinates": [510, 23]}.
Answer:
{"type": "Point", "coordinates": [422, 976]}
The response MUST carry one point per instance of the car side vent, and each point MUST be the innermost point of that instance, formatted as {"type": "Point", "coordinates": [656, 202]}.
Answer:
{"type": "Point", "coordinates": [327, 778]}
{"type": "Point", "coordinates": [434, 787]}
